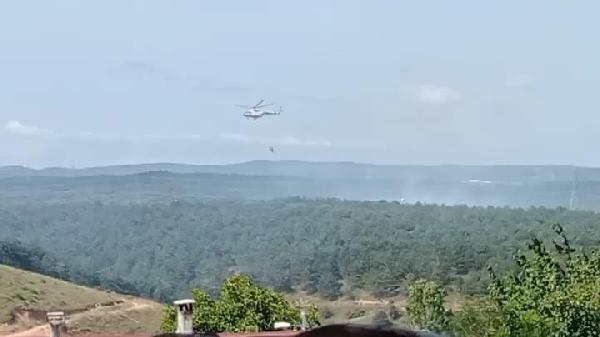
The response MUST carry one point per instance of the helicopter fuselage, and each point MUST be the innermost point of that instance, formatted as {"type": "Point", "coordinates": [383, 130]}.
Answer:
{"type": "Point", "coordinates": [258, 113]}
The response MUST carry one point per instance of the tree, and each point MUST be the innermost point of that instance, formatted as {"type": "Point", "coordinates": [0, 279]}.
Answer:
{"type": "Point", "coordinates": [314, 316]}
{"type": "Point", "coordinates": [426, 305]}
{"type": "Point", "coordinates": [242, 306]}
{"type": "Point", "coordinates": [169, 321]}
{"type": "Point", "coordinates": [205, 311]}
{"type": "Point", "coordinates": [480, 317]}
{"type": "Point", "coordinates": [154, 250]}
{"type": "Point", "coordinates": [551, 294]}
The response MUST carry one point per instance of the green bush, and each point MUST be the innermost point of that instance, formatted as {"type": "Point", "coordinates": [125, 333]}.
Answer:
{"type": "Point", "coordinates": [314, 316]}
{"type": "Point", "coordinates": [426, 306]}
{"type": "Point", "coordinates": [478, 317]}
{"type": "Point", "coordinates": [242, 306]}
{"type": "Point", "coordinates": [169, 321]}
{"type": "Point", "coordinates": [551, 294]}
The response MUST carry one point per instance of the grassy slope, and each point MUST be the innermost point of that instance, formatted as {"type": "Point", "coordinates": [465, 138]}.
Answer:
{"type": "Point", "coordinates": [20, 288]}
{"type": "Point", "coordinates": [29, 290]}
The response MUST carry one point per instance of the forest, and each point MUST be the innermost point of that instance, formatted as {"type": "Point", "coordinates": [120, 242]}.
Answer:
{"type": "Point", "coordinates": [325, 246]}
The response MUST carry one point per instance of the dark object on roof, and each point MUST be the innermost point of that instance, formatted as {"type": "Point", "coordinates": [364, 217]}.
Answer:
{"type": "Point", "coordinates": [279, 333]}
{"type": "Point", "coordinates": [195, 334]}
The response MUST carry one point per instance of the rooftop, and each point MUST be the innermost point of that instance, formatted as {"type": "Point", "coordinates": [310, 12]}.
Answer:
{"type": "Point", "coordinates": [46, 333]}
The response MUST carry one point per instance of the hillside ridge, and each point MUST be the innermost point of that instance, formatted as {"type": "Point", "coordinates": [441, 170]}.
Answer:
{"type": "Point", "coordinates": [26, 296]}
{"type": "Point", "coordinates": [302, 168]}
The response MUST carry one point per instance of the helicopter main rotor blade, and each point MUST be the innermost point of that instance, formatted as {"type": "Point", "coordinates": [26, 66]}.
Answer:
{"type": "Point", "coordinates": [259, 103]}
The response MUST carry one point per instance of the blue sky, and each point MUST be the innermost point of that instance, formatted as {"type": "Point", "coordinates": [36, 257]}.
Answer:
{"type": "Point", "coordinates": [419, 82]}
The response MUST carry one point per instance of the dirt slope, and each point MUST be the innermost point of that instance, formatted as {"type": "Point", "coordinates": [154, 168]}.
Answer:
{"type": "Point", "coordinates": [26, 296]}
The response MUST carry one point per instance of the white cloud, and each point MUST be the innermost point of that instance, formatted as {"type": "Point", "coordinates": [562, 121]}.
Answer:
{"type": "Point", "coordinates": [436, 95]}
{"type": "Point", "coordinates": [518, 80]}
{"type": "Point", "coordinates": [15, 127]}
{"type": "Point", "coordinates": [287, 140]}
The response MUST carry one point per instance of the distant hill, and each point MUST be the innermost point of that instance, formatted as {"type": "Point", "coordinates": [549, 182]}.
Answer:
{"type": "Point", "coordinates": [18, 171]}
{"type": "Point", "coordinates": [515, 186]}
{"type": "Point", "coordinates": [339, 170]}
{"type": "Point", "coordinates": [25, 296]}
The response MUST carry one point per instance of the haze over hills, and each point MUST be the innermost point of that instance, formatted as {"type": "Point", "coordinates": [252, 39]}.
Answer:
{"type": "Point", "coordinates": [516, 186]}
{"type": "Point", "coordinates": [499, 173]}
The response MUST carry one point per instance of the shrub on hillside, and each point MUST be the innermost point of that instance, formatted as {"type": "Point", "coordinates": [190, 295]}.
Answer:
{"type": "Point", "coordinates": [426, 306]}
{"type": "Point", "coordinates": [552, 293]}
{"type": "Point", "coordinates": [478, 317]}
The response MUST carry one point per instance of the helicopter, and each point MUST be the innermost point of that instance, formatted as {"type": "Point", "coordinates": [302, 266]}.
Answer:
{"type": "Point", "coordinates": [256, 111]}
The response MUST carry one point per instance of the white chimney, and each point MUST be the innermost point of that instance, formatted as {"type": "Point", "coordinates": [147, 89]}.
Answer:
{"type": "Point", "coordinates": [56, 319]}
{"type": "Point", "coordinates": [185, 319]}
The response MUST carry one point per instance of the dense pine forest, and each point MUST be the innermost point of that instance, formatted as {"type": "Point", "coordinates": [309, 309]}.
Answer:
{"type": "Point", "coordinates": [325, 246]}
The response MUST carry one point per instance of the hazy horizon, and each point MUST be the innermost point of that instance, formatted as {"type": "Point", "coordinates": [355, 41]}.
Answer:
{"type": "Point", "coordinates": [298, 161]}
{"type": "Point", "coordinates": [383, 82]}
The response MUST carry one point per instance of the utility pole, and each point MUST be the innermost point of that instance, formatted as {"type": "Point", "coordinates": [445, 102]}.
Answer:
{"type": "Point", "coordinates": [303, 321]}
